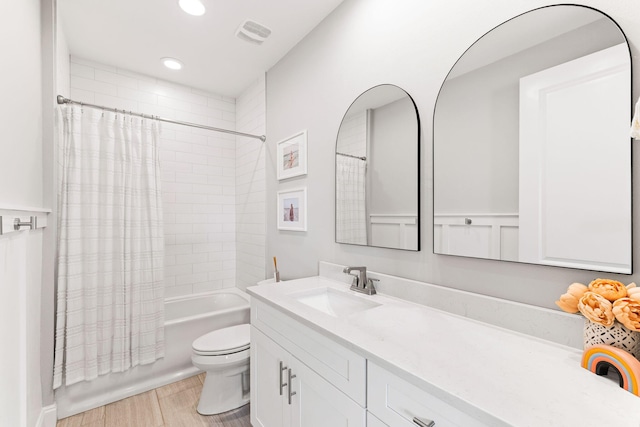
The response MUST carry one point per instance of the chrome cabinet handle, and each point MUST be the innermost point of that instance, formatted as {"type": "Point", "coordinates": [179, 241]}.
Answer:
{"type": "Point", "coordinates": [291, 393]}
{"type": "Point", "coordinates": [282, 385]}
{"type": "Point", "coordinates": [423, 422]}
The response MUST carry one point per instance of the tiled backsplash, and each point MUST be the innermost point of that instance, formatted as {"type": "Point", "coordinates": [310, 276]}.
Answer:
{"type": "Point", "coordinates": [199, 171]}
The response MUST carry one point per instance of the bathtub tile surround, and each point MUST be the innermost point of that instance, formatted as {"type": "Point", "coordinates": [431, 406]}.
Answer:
{"type": "Point", "coordinates": [213, 184]}
{"type": "Point", "coordinates": [167, 406]}
{"type": "Point", "coordinates": [198, 180]}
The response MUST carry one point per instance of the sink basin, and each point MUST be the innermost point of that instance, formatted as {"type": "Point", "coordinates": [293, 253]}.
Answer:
{"type": "Point", "coordinates": [332, 302]}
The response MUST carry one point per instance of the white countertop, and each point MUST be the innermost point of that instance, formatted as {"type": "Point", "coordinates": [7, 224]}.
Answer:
{"type": "Point", "coordinates": [498, 376]}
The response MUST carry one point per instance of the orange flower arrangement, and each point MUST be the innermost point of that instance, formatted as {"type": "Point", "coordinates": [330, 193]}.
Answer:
{"type": "Point", "coordinates": [596, 308]}
{"type": "Point", "coordinates": [603, 302]}
{"type": "Point", "coordinates": [610, 289]}
{"type": "Point", "coordinates": [627, 311]}
{"type": "Point", "coordinates": [569, 301]}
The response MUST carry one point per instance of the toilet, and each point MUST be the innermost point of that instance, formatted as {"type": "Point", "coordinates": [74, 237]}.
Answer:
{"type": "Point", "coordinates": [224, 355]}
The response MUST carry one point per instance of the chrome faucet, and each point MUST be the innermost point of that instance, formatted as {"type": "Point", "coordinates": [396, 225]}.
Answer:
{"type": "Point", "coordinates": [360, 282]}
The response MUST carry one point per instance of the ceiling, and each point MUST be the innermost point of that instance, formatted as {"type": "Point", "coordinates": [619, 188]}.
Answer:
{"type": "Point", "coordinates": [135, 34]}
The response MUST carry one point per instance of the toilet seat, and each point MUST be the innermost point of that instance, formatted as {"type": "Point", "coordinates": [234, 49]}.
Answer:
{"type": "Point", "coordinates": [224, 341]}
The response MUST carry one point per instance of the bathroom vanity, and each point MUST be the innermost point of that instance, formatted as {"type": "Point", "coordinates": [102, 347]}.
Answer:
{"type": "Point", "coordinates": [322, 355]}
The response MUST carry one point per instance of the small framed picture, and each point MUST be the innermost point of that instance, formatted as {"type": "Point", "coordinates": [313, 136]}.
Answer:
{"type": "Point", "coordinates": [292, 209]}
{"type": "Point", "coordinates": [291, 156]}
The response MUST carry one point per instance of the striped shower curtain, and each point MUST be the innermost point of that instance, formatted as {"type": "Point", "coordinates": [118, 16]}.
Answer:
{"type": "Point", "coordinates": [110, 310]}
{"type": "Point", "coordinates": [351, 209]}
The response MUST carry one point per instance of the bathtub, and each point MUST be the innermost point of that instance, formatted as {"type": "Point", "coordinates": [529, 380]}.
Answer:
{"type": "Point", "coordinates": [186, 318]}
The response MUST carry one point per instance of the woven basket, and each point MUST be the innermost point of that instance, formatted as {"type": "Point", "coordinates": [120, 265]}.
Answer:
{"type": "Point", "coordinates": [617, 336]}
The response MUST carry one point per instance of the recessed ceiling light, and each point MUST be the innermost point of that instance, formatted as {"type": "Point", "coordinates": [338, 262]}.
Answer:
{"type": "Point", "coordinates": [171, 63]}
{"type": "Point", "coordinates": [192, 7]}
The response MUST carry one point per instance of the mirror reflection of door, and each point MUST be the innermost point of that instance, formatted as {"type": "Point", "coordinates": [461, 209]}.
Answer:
{"type": "Point", "coordinates": [377, 171]}
{"type": "Point", "coordinates": [589, 226]}
{"type": "Point", "coordinates": [516, 186]}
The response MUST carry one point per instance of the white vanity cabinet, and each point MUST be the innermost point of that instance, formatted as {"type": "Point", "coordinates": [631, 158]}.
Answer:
{"type": "Point", "coordinates": [288, 383]}
{"type": "Point", "coordinates": [387, 364]}
{"type": "Point", "coordinates": [300, 377]}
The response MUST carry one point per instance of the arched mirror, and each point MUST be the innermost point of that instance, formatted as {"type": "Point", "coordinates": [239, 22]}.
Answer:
{"type": "Point", "coordinates": [531, 150]}
{"type": "Point", "coordinates": [377, 171]}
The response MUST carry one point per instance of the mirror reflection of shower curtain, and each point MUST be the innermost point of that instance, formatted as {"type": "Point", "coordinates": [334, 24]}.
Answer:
{"type": "Point", "coordinates": [351, 211]}
{"type": "Point", "coordinates": [110, 298]}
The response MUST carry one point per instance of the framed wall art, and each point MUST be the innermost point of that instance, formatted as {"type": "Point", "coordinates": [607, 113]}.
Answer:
{"type": "Point", "coordinates": [291, 156]}
{"type": "Point", "coordinates": [292, 209]}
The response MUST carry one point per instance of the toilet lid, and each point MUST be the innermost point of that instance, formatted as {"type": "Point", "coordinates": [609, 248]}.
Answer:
{"type": "Point", "coordinates": [224, 341]}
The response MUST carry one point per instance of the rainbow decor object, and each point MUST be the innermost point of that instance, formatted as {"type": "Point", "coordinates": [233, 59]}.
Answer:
{"type": "Point", "coordinates": [599, 358]}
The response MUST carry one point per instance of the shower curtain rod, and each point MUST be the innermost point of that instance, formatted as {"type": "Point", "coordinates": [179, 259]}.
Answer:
{"type": "Point", "coordinates": [352, 156]}
{"type": "Point", "coordinates": [62, 100]}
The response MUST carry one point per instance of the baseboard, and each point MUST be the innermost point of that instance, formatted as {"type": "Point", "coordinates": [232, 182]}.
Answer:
{"type": "Point", "coordinates": [47, 417]}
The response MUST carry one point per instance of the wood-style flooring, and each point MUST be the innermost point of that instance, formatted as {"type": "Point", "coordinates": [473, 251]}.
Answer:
{"type": "Point", "coordinates": [173, 405]}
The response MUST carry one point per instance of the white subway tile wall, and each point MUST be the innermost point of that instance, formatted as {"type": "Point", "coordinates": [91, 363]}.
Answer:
{"type": "Point", "coordinates": [199, 172]}
{"type": "Point", "coordinates": [353, 135]}
{"type": "Point", "coordinates": [250, 187]}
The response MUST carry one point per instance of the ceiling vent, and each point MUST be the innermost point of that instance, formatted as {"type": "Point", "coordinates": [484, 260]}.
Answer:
{"type": "Point", "coordinates": [252, 32]}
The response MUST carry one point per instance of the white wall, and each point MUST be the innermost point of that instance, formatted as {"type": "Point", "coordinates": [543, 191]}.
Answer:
{"type": "Point", "coordinates": [53, 66]}
{"type": "Point", "coordinates": [250, 186]}
{"type": "Point", "coordinates": [21, 109]}
{"type": "Point", "coordinates": [21, 186]}
{"type": "Point", "coordinates": [198, 170]}
{"type": "Point", "coordinates": [369, 42]}
{"type": "Point", "coordinates": [20, 388]}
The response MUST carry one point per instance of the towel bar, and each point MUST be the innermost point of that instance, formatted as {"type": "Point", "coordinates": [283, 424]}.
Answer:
{"type": "Point", "coordinates": [32, 224]}
{"type": "Point", "coordinates": [11, 222]}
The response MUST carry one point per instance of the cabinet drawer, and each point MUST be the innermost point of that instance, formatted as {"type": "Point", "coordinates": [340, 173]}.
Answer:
{"type": "Point", "coordinates": [341, 367]}
{"type": "Point", "coordinates": [396, 402]}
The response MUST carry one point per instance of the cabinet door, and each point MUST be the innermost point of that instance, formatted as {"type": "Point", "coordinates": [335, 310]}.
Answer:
{"type": "Point", "coordinates": [343, 368]}
{"type": "Point", "coordinates": [267, 378]}
{"type": "Point", "coordinates": [317, 403]}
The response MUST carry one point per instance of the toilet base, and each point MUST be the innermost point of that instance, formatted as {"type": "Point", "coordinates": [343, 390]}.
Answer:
{"type": "Point", "coordinates": [222, 393]}
{"type": "Point", "coordinates": [226, 385]}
